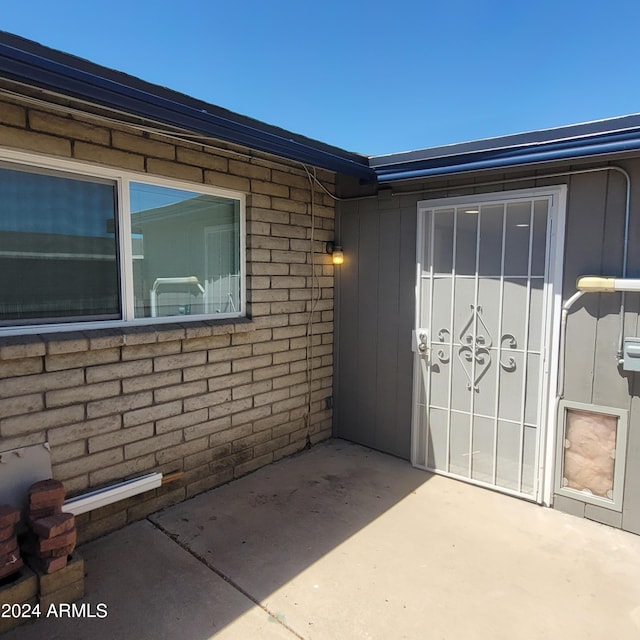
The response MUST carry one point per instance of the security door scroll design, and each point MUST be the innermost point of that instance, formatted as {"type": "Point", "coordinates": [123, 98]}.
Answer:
{"type": "Point", "coordinates": [474, 352]}
{"type": "Point", "coordinates": [443, 356]}
{"type": "Point", "coordinates": [475, 341]}
{"type": "Point", "coordinates": [508, 341]}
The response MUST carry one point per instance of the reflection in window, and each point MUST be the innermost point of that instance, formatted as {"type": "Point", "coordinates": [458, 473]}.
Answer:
{"type": "Point", "coordinates": [58, 248]}
{"type": "Point", "coordinates": [186, 252]}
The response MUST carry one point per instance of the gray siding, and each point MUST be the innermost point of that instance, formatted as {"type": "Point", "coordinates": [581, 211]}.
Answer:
{"type": "Point", "coordinates": [375, 302]}
{"type": "Point", "coordinates": [595, 224]}
{"type": "Point", "coordinates": [375, 318]}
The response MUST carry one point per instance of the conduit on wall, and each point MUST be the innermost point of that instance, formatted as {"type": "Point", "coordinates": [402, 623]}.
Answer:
{"type": "Point", "coordinates": [115, 493]}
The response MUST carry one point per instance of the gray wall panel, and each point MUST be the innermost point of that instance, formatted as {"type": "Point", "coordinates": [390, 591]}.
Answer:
{"type": "Point", "coordinates": [610, 384]}
{"type": "Point", "coordinates": [567, 505]}
{"type": "Point", "coordinates": [583, 255]}
{"type": "Point", "coordinates": [367, 339]}
{"type": "Point", "coordinates": [631, 504]}
{"type": "Point", "coordinates": [346, 324]}
{"type": "Point", "coordinates": [406, 311]}
{"type": "Point", "coordinates": [631, 500]}
{"type": "Point", "coordinates": [376, 302]}
{"type": "Point", "coordinates": [603, 516]}
{"type": "Point", "coordinates": [388, 337]}
{"type": "Point", "coordinates": [595, 228]}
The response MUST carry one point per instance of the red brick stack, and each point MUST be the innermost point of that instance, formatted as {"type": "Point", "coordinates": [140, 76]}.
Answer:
{"type": "Point", "coordinates": [53, 535]}
{"type": "Point", "coordinates": [10, 560]}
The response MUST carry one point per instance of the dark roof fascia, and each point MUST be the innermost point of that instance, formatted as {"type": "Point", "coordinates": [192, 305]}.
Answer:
{"type": "Point", "coordinates": [32, 64]}
{"type": "Point", "coordinates": [606, 137]}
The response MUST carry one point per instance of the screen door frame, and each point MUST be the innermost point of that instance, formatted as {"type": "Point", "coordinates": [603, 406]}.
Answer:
{"type": "Point", "coordinates": [552, 292]}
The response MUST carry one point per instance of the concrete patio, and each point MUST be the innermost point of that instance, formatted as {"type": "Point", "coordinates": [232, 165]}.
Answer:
{"type": "Point", "coordinates": [344, 542]}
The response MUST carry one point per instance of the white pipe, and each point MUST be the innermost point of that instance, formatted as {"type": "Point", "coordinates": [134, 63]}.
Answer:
{"type": "Point", "coordinates": [561, 355]}
{"type": "Point", "coordinates": [628, 284]}
{"type": "Point", "coordinates": [604, 284]}
{"type": "Point", "coordinates": [109, 495]}
{"type": "Point", "coordinates": [563, 331]}
{"type": "Point", "coordinates": [625, 254]}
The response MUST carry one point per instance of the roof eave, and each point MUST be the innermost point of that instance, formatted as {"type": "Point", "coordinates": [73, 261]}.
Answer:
{"type": "Point", "coordinates": [603, 145]}
{"type": "Point", "coordinates": [45, 73]}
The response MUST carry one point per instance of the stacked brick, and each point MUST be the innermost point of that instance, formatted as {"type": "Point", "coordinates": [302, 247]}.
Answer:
{"type": "Point", "coordinates": [10, 560]}
{"type": "Point", "coordinates": [53, 533]}
{"type": "Point", "coordinates": [64, 585]}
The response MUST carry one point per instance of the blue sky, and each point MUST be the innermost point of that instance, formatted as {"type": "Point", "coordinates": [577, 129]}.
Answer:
{"type": "Point", "coordinates": [368, 76]}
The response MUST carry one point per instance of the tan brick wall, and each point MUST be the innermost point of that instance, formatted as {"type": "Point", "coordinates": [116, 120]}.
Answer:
{"type": "Point", "coordinates": [213, 399]}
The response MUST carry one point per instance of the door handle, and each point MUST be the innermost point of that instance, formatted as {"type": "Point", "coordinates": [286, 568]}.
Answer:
{"type": "Point", "coordinates": [421, 342]}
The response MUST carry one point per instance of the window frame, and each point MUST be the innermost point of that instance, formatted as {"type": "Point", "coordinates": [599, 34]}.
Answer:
{"type": "Point", "coordinates": [122, 178]}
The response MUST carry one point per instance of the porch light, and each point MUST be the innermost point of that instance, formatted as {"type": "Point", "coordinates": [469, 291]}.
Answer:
{"type": "Point", "coordinates": [335, 251]}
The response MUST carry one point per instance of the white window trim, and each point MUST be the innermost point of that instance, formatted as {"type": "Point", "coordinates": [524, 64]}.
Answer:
{"type": "Point", "coordinates": [122, 178]}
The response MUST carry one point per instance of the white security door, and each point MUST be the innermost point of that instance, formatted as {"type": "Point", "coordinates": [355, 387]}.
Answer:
{"type": "Point", "coordinates": [482, 318]}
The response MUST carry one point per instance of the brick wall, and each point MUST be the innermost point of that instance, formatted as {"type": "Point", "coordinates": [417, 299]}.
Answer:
{"type": "Point", "coordinates": [214, 399]}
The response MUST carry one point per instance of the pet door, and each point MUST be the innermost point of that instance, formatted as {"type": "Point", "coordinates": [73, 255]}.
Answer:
{"type": "Point", "coordinates": [591, 453]}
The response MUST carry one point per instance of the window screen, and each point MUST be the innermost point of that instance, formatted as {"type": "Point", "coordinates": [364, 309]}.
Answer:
{"type": "Point", "coordinates": [185, 252]}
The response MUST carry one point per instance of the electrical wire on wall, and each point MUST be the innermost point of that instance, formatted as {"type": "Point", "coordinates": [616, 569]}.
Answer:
{"type": "Point", "coordinates": [313, 303]}
{"type": "Point", "coordinates": [173, 135]}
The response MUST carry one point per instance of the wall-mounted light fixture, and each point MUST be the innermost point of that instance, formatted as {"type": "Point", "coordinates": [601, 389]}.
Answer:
{"type": "Point", "coordinates": [335, 251]}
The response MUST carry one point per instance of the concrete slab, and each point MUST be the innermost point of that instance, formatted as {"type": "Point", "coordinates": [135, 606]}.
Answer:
{"type": "Point", "coordinates": [341, 542]}
{"type": "Point", "coordinates": [152, 588]}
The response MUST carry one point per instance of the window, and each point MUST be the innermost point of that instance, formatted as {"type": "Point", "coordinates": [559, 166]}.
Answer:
{"type": "Point", "coordinates": [110, 248]}
{"type": "Point", "coordinates": [185, 251]}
